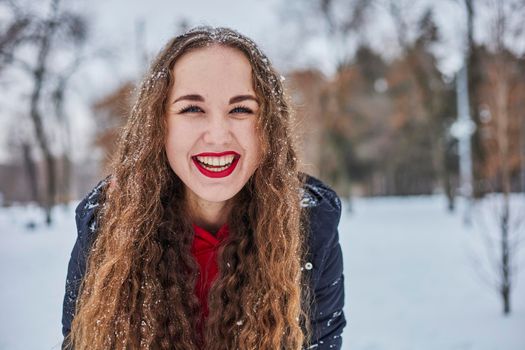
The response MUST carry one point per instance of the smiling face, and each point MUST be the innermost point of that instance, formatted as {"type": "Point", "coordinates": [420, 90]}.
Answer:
{"type": "Point", "coordinates": [211, 143]}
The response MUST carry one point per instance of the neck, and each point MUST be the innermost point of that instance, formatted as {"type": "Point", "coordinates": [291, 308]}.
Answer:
{"type": "Point", "coordinates": [209, 215]}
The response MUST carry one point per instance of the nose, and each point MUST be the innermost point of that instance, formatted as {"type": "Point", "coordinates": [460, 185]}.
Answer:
{"type": "Point", "coordinates": [218, 129]}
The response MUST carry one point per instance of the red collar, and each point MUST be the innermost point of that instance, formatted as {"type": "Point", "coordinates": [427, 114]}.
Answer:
{"type": "Point", "coordinates": [204, 240]}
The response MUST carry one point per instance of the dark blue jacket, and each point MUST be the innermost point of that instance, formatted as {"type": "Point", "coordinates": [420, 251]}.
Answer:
{"type": "Point", "coordinates": [324, 261]}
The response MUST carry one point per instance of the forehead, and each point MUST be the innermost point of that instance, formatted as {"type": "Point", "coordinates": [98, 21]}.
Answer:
{"type": "Point", "coordinates": [215, 69]}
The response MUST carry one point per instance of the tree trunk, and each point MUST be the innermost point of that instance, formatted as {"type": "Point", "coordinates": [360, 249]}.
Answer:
{"type": "Point", "coordinates": [474, 78]}
{"type": "Point", "coordinates": [31, 171]}
{"type": "Point", "coordinates": [43, 143]}
{"type": "Point", "coordinates": [65, 173]}
{"type": "Point", "coordinates": [502, 125]}
{"type": "Point", "coordinates": [505, 263]}
{"type": "Point", "coordinates": [36, 115]}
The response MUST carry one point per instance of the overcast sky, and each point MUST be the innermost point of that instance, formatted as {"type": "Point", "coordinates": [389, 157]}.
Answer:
{"type": "Point", "coordinates": [115, 22]}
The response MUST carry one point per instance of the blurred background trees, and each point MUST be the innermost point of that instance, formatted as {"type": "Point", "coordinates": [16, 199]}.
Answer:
{"type": "Point", "coordinates": [385, 121]}
{"type": "Point", "coordinates": [376, 122]}
{"type": "Point", "coordinates": [43, 50]}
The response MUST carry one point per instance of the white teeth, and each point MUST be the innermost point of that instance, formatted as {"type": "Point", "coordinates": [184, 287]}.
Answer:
{"type": "Point", "coordinates": [217, 161]}
{"type": "Point", "coordinates": [216, 170]}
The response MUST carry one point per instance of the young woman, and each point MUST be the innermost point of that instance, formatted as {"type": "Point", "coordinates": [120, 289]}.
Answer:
{"type": "Point", "coordinates": [206, 235]}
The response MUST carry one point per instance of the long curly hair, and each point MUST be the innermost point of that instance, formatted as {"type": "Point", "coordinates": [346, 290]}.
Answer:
{"type": "Point", "coordinates": [138, 290]}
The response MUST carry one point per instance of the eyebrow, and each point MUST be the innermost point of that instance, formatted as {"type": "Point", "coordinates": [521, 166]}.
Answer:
{"type": "Point", "coordinates": [235, 99]}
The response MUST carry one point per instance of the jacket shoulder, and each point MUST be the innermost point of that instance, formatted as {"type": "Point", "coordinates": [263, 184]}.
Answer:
{"type": "Point", "coordinates": [85, 218]}
{"type": "Point", "coordinates": [320, 201]}
{"type": "Point", "coordinates": [85, 212]}
{"type": "Point", "coordinates": [322, 208]}
{"type": "Point", "coordinates": [324, 264]}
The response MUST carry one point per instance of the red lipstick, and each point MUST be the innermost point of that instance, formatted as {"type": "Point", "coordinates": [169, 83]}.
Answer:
{"type": "Point", "coordinates": [216, 174]}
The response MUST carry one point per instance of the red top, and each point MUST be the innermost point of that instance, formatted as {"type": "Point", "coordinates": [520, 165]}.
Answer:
{"type": "Point", "coordinates": [204, 249]}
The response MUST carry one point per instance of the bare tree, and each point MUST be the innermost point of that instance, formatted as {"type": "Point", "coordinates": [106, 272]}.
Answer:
{"type": "Point", "coordinates": [496, 258]}
{"type": "Point", "coordinates": [38, 77]}
{"type": "Point", "coordinates": [502, 87]}
{"type": "Point", "coordinates": [60, 29]}
{"type": "Point", "coordinates": [501, 77]}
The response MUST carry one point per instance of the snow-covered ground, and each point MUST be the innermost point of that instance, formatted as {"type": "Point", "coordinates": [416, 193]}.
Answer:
{"type": "Point", "coordinates": [410, 280]}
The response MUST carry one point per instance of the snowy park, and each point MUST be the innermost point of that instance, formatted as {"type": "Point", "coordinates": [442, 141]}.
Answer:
{"type": "Point", "coordinates": [407, 109]}
{"type": "Point", "coordinates": [410, 278]}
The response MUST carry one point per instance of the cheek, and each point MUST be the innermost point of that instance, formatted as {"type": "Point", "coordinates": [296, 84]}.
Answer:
{"type": "Point", "coordinates": [252, 144]}
{"type": "Point", "coordinates": [176, 139]}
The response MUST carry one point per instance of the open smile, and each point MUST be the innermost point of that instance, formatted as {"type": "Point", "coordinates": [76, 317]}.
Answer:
{"type": "Point", "coordinates": [216, 165]}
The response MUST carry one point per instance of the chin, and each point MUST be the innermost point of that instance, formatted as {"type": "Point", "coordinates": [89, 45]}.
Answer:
{"type": "Point", "coordinates": [217, 196]}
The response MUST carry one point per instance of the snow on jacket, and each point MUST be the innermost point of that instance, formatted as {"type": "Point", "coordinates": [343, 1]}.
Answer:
{"type": "Point", "coordinates": [324, 261]}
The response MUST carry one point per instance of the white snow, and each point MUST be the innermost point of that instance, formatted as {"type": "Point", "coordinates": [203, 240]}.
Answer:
{"type": "Point", "coordinates": [33, 266]}
{"type": "Point", "coordinates": [409, 282]}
